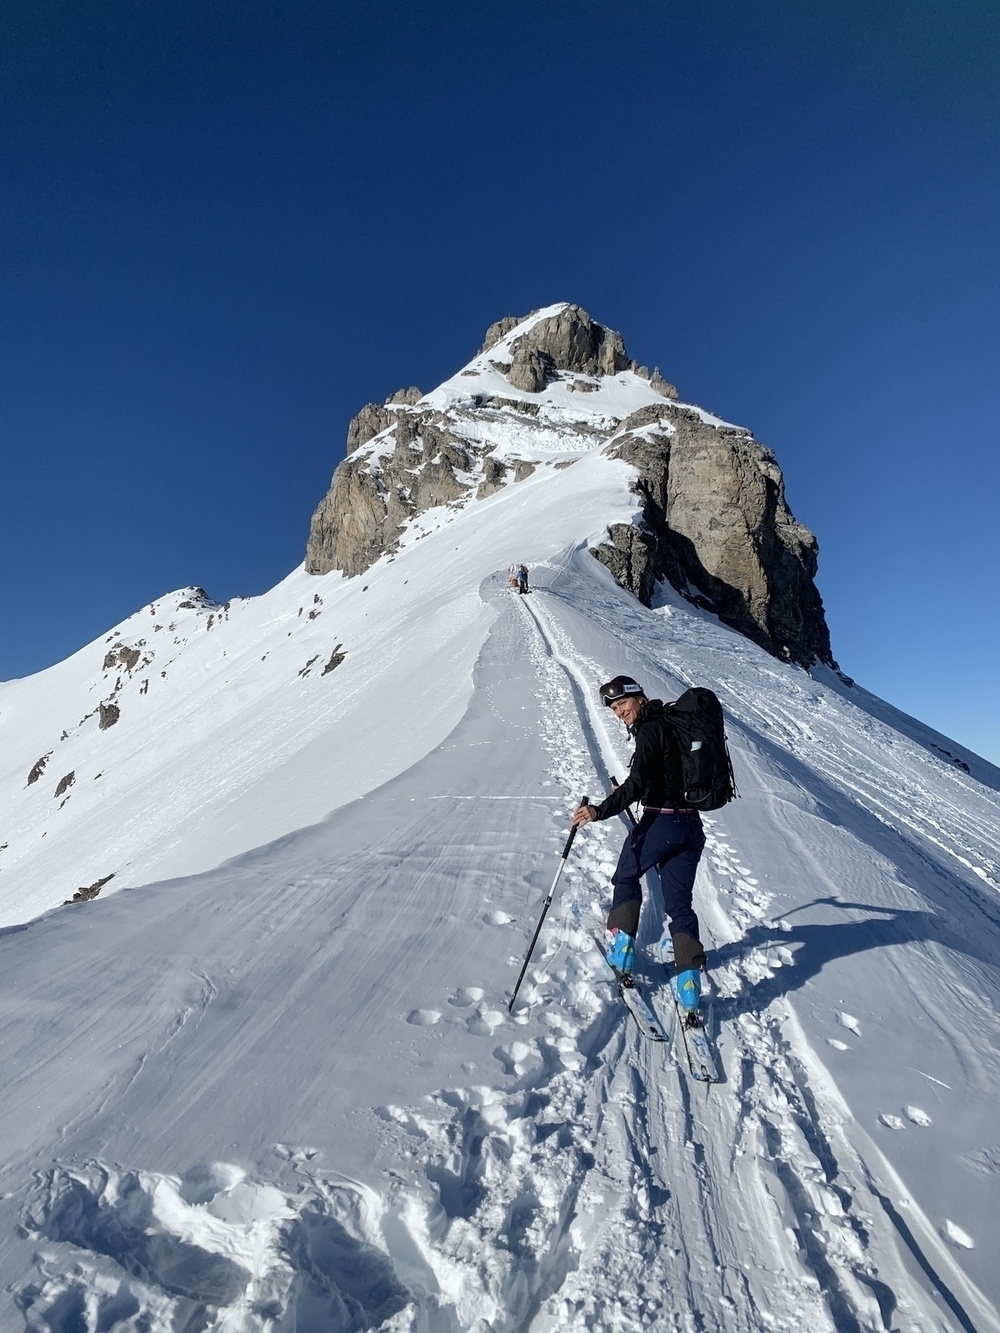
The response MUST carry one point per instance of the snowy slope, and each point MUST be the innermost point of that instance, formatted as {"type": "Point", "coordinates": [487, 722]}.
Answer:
{"type": "Point", "coordinates": [230, 718]}
{"type": "Point", "coordinates": [271, 1082]}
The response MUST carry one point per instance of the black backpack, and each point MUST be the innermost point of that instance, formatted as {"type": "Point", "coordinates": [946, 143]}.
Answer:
{"type": "Point", "coordinates": [699, 728]}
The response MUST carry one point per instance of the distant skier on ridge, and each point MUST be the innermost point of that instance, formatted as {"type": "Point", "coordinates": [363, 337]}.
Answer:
{"type": "Point", "coordinates": [669, 836]}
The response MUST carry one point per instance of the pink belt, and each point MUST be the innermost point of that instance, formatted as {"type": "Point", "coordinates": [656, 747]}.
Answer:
{"type": "Point", "coordinates": [658, 810]}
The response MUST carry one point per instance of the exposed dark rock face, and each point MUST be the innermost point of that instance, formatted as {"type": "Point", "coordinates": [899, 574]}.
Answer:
{"type": "Point", "coordinates": [363, 513]}
{"type": "Point", "coordinates": [528, 370]}
{"type": "Point", "coordinates": [38, 768]}
{"type": "Point", "coordinates": [714, 521]}
{"type": "Point", "coordinates": [494, 477]}
{"type": "Point", "coordinates": [91, 891]}
{"type": "Point", "coordinates": [121, 655]}
{"type": "Point", "coordinates": [717, 527]}
{"type": "Point", "coordinates": [496, 332]}
{"type": "Point", "coordinates": [373, 419]}
{"type": "Point", "coordinates": [572, 341]}
{"type": "Point", "coordinates": [110, 713]}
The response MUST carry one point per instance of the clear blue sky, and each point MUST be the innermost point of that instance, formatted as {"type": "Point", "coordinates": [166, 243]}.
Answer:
{"type": "Point", "coordinates": [227, 224]}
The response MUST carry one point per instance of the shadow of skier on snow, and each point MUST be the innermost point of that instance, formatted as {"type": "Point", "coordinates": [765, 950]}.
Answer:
{"type": "Point", "coordinates": [815, 944]}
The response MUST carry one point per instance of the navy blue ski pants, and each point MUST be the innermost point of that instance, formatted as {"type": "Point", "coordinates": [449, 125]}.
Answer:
{"type": "Point", "coordinates": [673, 845]}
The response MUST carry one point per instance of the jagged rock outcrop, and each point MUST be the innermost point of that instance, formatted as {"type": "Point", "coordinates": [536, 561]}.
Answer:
{"type": "Point", "coordinates": [84, 895]}
{"type": "Point", "coordinates": [498, 331]}
{"type": "Point", "coordinates": [717, 527]}
{"type": "Point", "coordinates": [375, 418]}
{"type": "Point", "coordinates": [714, 521]}
{"type": "Point", "coordinates": [362, 515]}
{"type": "Point", "coordinates": [110, 713]}
{"type": "Point", "coordinates": [572, 341]}
{"type": "Point", "coordinates": [529, 369]}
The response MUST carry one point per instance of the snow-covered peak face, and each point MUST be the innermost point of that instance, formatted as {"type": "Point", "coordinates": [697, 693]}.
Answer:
{"type": "Point", "coordinates": [567, 399]}
{"type": "Point", "coordinates": [593, 397]}
{"type": "Point", "coordinates": [567, 396]}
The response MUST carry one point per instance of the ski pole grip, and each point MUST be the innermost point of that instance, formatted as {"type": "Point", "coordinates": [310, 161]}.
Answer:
{"type": "Point", "coordinates": [584, 800]}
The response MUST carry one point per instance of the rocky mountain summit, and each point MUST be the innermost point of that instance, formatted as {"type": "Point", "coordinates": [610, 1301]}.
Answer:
{"type": "Point", "coordinates": [710, 518]}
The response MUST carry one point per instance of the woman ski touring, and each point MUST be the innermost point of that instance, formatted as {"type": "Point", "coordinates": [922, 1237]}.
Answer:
{"type": "Point", "coordinates": [668, 837]}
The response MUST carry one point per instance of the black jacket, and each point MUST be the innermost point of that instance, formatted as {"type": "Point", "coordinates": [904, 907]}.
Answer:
{"type": "Point", "coordinates": [655, 771]}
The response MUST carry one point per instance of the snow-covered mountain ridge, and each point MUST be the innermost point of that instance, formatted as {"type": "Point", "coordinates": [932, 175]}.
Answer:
{"type": "Point", "coordinates": [230, 728]}
{"type": "Point", "coordinates": [267, 1080]}
{"type": "Point", "coordinates": [712, 519]}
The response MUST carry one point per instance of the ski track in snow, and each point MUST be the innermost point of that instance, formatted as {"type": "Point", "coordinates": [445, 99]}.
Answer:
{"type": "Point", "coordinates": [590, 1184]}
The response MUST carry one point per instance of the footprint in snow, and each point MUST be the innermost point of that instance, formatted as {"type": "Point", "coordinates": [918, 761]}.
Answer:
{"type": "Point", "coordinates": [484, 1022]}
{"type": "Point", "coordinates": [517, 1057]}
{"type": "Point", "coordinates": [892, 1121]}
{"type": "Point", "coordinates": [850, 1022]}
{"type": "Point", "coordinates": [780, 957]}
{"type": "Point", "coordinates": [423, 1018]}
{"type": "Point", "coordinates": [150, 1250]}
{"type": "Point", "coordinates": [298, 1156]}
{"type": "Point", "coordinates": [465, 996]}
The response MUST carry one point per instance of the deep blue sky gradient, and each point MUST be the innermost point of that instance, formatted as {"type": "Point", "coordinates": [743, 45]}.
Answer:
{"type": "Point", "coordinates": [227, 224]}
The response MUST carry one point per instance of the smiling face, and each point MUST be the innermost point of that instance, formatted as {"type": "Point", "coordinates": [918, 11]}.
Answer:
{"type": "Point", "coordinates": [628, 708]}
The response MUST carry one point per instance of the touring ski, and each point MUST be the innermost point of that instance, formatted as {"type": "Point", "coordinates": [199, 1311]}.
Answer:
{"type": "Point", "coordinates": [693, 1027]}
{"type": "Point", "coordinates": [635, 1002]}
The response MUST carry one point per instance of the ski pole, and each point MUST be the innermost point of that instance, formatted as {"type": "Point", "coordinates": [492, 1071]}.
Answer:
{"type": "Point", "coordinates": [545, 908]}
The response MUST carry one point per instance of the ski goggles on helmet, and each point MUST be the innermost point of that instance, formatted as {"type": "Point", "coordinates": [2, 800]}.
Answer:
{"type": "Point", "coordinates": [619, 688]}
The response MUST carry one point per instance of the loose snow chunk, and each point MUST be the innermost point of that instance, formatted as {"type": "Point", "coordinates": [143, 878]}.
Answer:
{"type": "Point", "coordinates": [917, 1116]}
{"type": "Point", "coordinates": [957, 1236]}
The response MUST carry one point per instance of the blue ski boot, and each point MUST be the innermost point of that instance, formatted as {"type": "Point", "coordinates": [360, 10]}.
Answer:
{"type": "Point", "coordinates": [687, 988]}
{"type": "Point", "coordinates": [621, 952]}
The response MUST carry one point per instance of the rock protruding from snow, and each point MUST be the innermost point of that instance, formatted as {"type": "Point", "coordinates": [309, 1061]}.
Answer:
{"type": "Point", "coordinates": [570, 340]}
{"type": "Point", "coordinates": [717, 527]}
{"type": "Point", "coordinates": [424, 465]}
{"type": "Point", "coordinates": [551, 387]}
{"type": "Point", "coordinates": [498, 331]}
{"type": "Point", "coordinates": [375, 418]}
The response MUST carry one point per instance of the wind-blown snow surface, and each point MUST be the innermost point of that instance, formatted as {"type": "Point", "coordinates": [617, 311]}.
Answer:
{"type": "Point", "coordinates": [284, 1092]}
